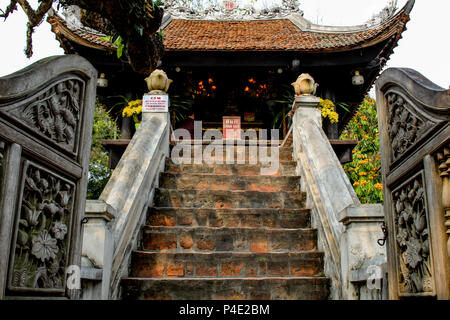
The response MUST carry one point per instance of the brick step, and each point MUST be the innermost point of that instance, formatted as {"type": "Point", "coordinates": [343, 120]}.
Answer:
{"type": "Point", "coordinates": [220, 199]}
{"type": "Point", "coordinates": [224, 264]}
{"type": "Point", "coordinates": [292, 288]}
{"type": "Point", "coordinates": [265, 163]}
{"type": "Point", "coordinates": [235, 153]}
{"type": "Point", "coordinates": [210, 146]}
{"type": "Point", "coordinates": [208, 239]}
{"type": "Point", "coordinates": [284, 169]}
{"type": "Point", "coordinates": [269, 218]}
{"type": "Point", "coordinates": [233, 142]}
{"type": "Point", "coordinates": [195, 181]}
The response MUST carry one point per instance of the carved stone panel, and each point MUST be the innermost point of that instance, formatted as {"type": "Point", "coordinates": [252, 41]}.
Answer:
{"type": "Point", "coordinates": [41, 239]}
{"type": "Point", "coordinates": [2, 159]}
{"type": "Point", "coordinates": [53, 113]}
{"type": "Point", "coordinates": [443, 161]}
{"type": "Point", "coordinates": [412, 236]}
{"type": "Point", "coordinates": [405, 127]}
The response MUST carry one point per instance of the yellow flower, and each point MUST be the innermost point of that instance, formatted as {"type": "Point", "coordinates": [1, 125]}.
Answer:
{"type": "Point", "coordinates": [356, 184]}
{"type": "Point", "coordinates": [378, 186]}
{"type": "Point", "coordinates": [133, 108]}
{"type": "Point", "coordinates": [362, 173]}
{"type": "Point", "coordinates": [327, 109]}
{"type": "Point", "coordinates": [363, 182]}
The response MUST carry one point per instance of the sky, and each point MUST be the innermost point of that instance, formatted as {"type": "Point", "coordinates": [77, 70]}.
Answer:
{"type": "Point", "coordinates": [425, 45]}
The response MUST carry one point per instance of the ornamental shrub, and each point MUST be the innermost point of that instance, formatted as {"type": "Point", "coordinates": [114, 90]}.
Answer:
{"type": "Point", "coordinates": [364, 171]}
{"type": "Point", "coordinates": [103, 128]}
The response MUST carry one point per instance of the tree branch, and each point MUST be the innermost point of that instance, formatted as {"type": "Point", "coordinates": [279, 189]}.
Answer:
{"type": "Point", "coordinates": [136, 21]}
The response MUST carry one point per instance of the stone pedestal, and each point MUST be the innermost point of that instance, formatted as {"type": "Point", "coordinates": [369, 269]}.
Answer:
{"type": "Point", "coordinates": [98, 250]}
{"type": "Point", "coordinates": [363, 260]}
{"type": "Point", "coordinates": [306, 108]}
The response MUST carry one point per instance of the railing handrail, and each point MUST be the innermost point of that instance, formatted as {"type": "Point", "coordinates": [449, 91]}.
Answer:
{"type": "Point", "coordinates": [130, 188]}
{"type": "Point", "coordinates": [329, 191]}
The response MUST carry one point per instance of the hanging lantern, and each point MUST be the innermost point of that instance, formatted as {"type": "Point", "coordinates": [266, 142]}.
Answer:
{"type": "Point", "coordinates": [102, 81]}
{"type": "Point", "coordinates": [357, 79]}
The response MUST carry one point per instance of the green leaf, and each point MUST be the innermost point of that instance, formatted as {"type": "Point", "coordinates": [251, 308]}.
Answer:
{"type": "Point", "coordinates": [343, 106]}
{"type": "Point", "coordinates": [115, 37]}
{"type": "Point", "coordinates": [120, 50]}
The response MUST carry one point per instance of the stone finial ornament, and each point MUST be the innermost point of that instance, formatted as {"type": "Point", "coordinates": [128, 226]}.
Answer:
{"type": "Point", "coordinates": [305, 85]}
{"type": "Point", "coordinates": [158, 81]}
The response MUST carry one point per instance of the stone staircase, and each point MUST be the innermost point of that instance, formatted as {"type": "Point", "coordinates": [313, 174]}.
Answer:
{"type": "Point", "coordinates": [223, 231]}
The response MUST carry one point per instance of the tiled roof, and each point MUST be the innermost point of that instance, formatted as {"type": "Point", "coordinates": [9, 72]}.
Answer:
{"type": "Point", "coordinates": [82, 36]}
{"type": "Point", "coordinates": [253, 35]}
{"type": "Point", "coordinates": [267, 35]}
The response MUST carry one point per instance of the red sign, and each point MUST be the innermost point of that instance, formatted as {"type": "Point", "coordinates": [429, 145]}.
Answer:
{"type": "Point", "coordinates": [231, 127]}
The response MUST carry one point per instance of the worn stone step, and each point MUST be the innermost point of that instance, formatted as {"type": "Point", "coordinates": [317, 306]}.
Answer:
{"type": "Point", "coordinates": [208, 239]}
{"type": "Point", "coordinates": [285, 168]}
{"type": "Point", "coordinates": [224, 145]}
{"type": "Point", "coordinates": [232, 142]}
{"type": "Point", "coordinates": [225, 264]}
{"type": "Point", "coordinates": [233, 152]}
{"type": "Point", "coordinates": [292, 288]}
{"type": "Point", "coordinates": [220, 199]}
{"type": "Point", "coordinates": [195, 181]}
{"type": "Point", "coordinates": [269, 218]}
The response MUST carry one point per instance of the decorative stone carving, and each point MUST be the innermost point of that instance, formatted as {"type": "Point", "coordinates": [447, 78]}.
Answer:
{"type": "Point", "coordinates": [229, 10]}
{"type": "Point", "coordinates": [158, 81]}
{"type": "Point", "coordinates": [53, 113]}
{"type": "Point", "coordinates": [443, 160]}
{"type": "Point", "coordinates": [42, 234]}
{"type": "Point", "coordinates": [305, 85]}
{"type": "Point", "coordinates": [46, 116]}
{"type": "Point", "coordinates": [413, 115]}
{"type": "Point", "coordinates": [411, 226]}
{"type": "Point", "coordinates": [2, 156]}
{"type": "Point", "coordinates": [405, 126]}
{"type": "Point", "coordinates": [358, 257]}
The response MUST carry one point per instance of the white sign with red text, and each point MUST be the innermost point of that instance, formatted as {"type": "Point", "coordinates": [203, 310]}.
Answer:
{"type": "Point", "coordinates": [232, 128]}
{"type": "Point", "coordinates": [155, 103]}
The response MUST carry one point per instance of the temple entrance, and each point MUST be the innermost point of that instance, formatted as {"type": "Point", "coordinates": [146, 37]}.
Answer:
{"type": "Point", "coordinates": [256, 95]}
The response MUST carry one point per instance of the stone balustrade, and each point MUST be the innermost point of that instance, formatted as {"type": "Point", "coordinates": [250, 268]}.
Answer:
{"type": "Point", "coordinates": [347, 230]}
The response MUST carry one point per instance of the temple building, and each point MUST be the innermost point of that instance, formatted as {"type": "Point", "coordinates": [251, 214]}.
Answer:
{"type": "Point", "coordinates": [237, 60]}
{"type": "Point", "coordinates": [196, 220]}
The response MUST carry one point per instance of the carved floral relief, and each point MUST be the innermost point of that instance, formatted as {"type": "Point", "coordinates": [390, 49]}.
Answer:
{"type": "Point", "coordinates": [404, 127]}
{"type": "Point", "coordinates": [42, 240]}
{"type": "Point", "coordinates": [412, 238]}
{"type": "Point", "coordinates": [54, 113]}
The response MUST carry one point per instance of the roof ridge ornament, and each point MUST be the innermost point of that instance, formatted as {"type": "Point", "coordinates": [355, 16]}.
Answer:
{"type": "Point", "coordinates": [228, 10]}
{"type": "Point", "coordinates": [73, 20]}
{"type": "Point", "coordinates": [384, 15]}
